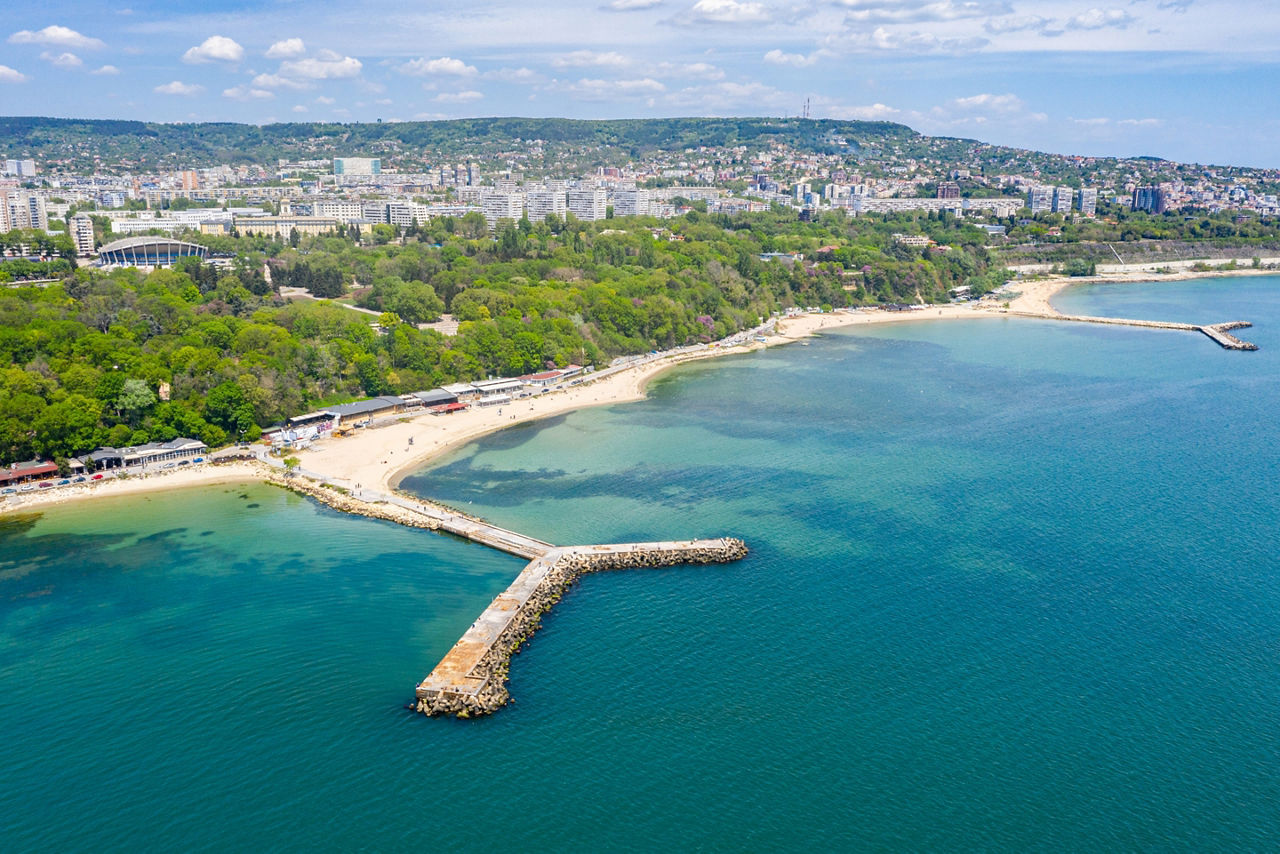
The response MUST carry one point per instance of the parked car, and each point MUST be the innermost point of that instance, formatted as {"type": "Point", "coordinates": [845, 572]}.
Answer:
{"type": "Point", "coordinates": [198, 460]}
{"type": "Point", "coordinates": [184, 462]}
{"type": "Point", "coordinates": [80, 479]}
{"type": "Point", "coordinates": [8, 490]}
{"type": "Point", "coordinates": [66, 481]}
{"type": "Point", "coordinates": [168, 465]}
{"type": "Point", "coordinates": [97, 477]}
{"type": "Point", "coordinates": [45, 484]}
{"type": "Point", "coordinates": [27, 487]}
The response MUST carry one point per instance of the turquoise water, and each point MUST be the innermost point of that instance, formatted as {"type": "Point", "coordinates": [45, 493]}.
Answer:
{"type": "Point", "coordinates": [1013, 585]}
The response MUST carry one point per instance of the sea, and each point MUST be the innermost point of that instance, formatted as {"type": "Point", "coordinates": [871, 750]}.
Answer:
{"type": "Point", "coordinates": [1013, 586]}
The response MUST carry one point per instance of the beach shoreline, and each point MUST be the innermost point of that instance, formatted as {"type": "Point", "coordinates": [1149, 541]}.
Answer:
{"type": "Point", "coordinates": [379, 458]}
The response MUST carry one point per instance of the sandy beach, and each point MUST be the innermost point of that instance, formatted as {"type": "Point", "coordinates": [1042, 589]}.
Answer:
{"type": "Point", "coordinates": [205, 474]}
{"type": "Point", "coordinates": [377, 458]}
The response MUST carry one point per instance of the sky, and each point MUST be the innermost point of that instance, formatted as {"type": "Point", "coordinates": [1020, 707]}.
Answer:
{"type": "Point", "coordinates": [1187, 80]}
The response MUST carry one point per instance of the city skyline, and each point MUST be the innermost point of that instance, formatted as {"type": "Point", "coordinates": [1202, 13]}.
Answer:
{"type": "Point", "coordinates": [1164, 78]}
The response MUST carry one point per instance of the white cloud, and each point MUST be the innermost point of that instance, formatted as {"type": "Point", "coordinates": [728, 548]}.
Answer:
{"type": "Point", "coordinates": [63, 60]}
{"type": "Point", "coordinates": [247, 93]}
{"type": "Point", "coordinates": [324, 99]}
{"type": "Point", "coordinates": [630, 5]}
{"type": "Point", "coordinates": [442, 65]}
{"type": "Point", "coordinates": [919, 11]}
{"type": "Point", "coordinates": [275, 81]}
{"type": "Point", "coordinates": [1096, 122]}
{"type": "Point", "coordinates": [286, 49]}
{"type": "Point", "coordinates": [730, 96]}
{"type": "Point", "coordinates": [214, 49]}
{"type": "Point", "coordinates": [55, 35]}
{"type": "Point", "coordinates": [325, 65]}
{"type": "Point", "coordinates": [726, 12]}
{"type": "Point", "coordinates": [588, 89]}
{"type": "Point", "coordinates": [1140, 122]}
{"type": "Point", "coordinates": [882, 38]}
{"type": "Point", "coordinates": [11, 75]}
{"type": "Point", "coordinates": [106, 70]}
{"type": "Point", "coordinates": [1096, 19]}
{"type": "Point", "coordinates": [459, 97]}
{"type": "Point", "coordinates": [699, 70]}
{"type": "Point", "coordinates": [590, 58]}
{"type": "Point", "coordinates": [987, 102]}
{"type": "Point", "coordinates": [873, 113]}
{"type": "Point", "coordinates": [526, 76]}
{"type": "Point", "coordinates": [1022, 23]}
{"type": "Point", "coordinates": [798, 60]}
{"type": "Point", "coordinates": [177, 87]}
{"type": "Point", "coordinates": [299, 108]}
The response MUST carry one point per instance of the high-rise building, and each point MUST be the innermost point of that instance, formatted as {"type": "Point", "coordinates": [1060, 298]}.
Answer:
{"type": "Point", "coordinates": [357, 166]}
{"type": "Point", "coordinates": [22, 210]}
{"type": "Point", "coordinates": [631, 203]}
{"type": "Point", "coordinates": [1062, 197]}
{"type": "Point", "coordinates": [1040, 200]}
{"type": "Point", "coordinates": [541, 203]}
{"type": "Point", "coordinates": [1150, 199]}
{"type": "Point", "coordinates": [496, 206]}
{"type": "Point", "coordinates": [82, 234]}
{"type": "Point", "coordinates": [588, 205]}
{"type": "Point", "coordinates": [948, 190]}
{"type": "Point", "coordinates": [1088, 202]}
{"type": "Point", "coordinates": [20, 168]}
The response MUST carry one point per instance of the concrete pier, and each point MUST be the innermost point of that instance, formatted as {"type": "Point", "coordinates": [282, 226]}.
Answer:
{"type": "Point", "coordinates": [1217, 332]}
{"type": "Point", "coordinates": [472, 677]}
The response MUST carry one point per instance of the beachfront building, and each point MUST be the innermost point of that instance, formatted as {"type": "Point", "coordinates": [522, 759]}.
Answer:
{"type": "Point", "coordinates": [23, 472]}
{"type": "Point", "coordinates": [152, 453]}
{"type": "Point", "coordinates": [435, 397]}
{"type": "Point", "coordinates": [462, 391]}
{"type": "Point", "coordinates": [493, 388]}
{"type": "Point", "coordinates": [362, 411]}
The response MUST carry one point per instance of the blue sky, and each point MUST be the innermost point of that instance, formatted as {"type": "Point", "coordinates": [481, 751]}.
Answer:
{"type": "Point", "coordinates": [1191, 80]}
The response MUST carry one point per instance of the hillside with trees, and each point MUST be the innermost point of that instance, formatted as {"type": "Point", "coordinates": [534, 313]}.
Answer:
{"type": "Point", "coordinates": [90, 358]}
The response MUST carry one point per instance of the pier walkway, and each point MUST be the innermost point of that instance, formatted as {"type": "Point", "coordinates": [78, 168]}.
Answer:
{"type": "Point", "coordinates": [1216, 332]}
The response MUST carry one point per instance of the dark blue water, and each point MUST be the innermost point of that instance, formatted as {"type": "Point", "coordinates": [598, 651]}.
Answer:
{"type": "Point", "coordinates": [1013, 585]}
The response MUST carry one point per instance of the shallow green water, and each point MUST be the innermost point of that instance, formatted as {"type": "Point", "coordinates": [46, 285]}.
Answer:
{"type": "Point", "coordinates": [1013, 585]}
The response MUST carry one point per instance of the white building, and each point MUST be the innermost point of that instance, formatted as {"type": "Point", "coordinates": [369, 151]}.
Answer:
{"type": "Point", "coordinates": [1040, 200]}
{"type": "Point", "coordinates": [588, 205]}
{"type": "Point", "coordinates": [1088, 201]}
{"type": "Point", "coordinates": [20, 168]}
{"type": "Point", "coordinates": [357, 166]}
{"type": "Point", "coordinates": [21, 209]}
{"type": "Point", "coordinates": [82, 234]}
{"type": "Point", "coordinates": [345, 211]}
{"type": "Point", "coordinates": [542, 203]}
{"type": "Point", "coordinates": [631, 203]}
{"type": "Point", "coordinates": [1062, 197]}
{"type": "Point", "coordinates": [496, 206]}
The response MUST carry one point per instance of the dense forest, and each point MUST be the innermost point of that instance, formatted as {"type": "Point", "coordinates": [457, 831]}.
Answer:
{"type": "Point", "coordinates": [91, 357]}
{"type": "Point", "coordinates": [86, 143]}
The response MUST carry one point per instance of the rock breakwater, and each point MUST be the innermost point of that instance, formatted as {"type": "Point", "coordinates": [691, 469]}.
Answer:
{"type": "Point", "coordinates": [471, 679]}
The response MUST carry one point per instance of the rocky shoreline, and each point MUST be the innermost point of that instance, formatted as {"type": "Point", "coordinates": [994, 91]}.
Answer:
{"type": "Point", "coordinates": [487, 691]}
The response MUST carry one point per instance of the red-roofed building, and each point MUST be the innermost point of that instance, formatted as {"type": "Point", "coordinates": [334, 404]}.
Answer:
{"type": "Point", "coordinates": [19, 472]}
